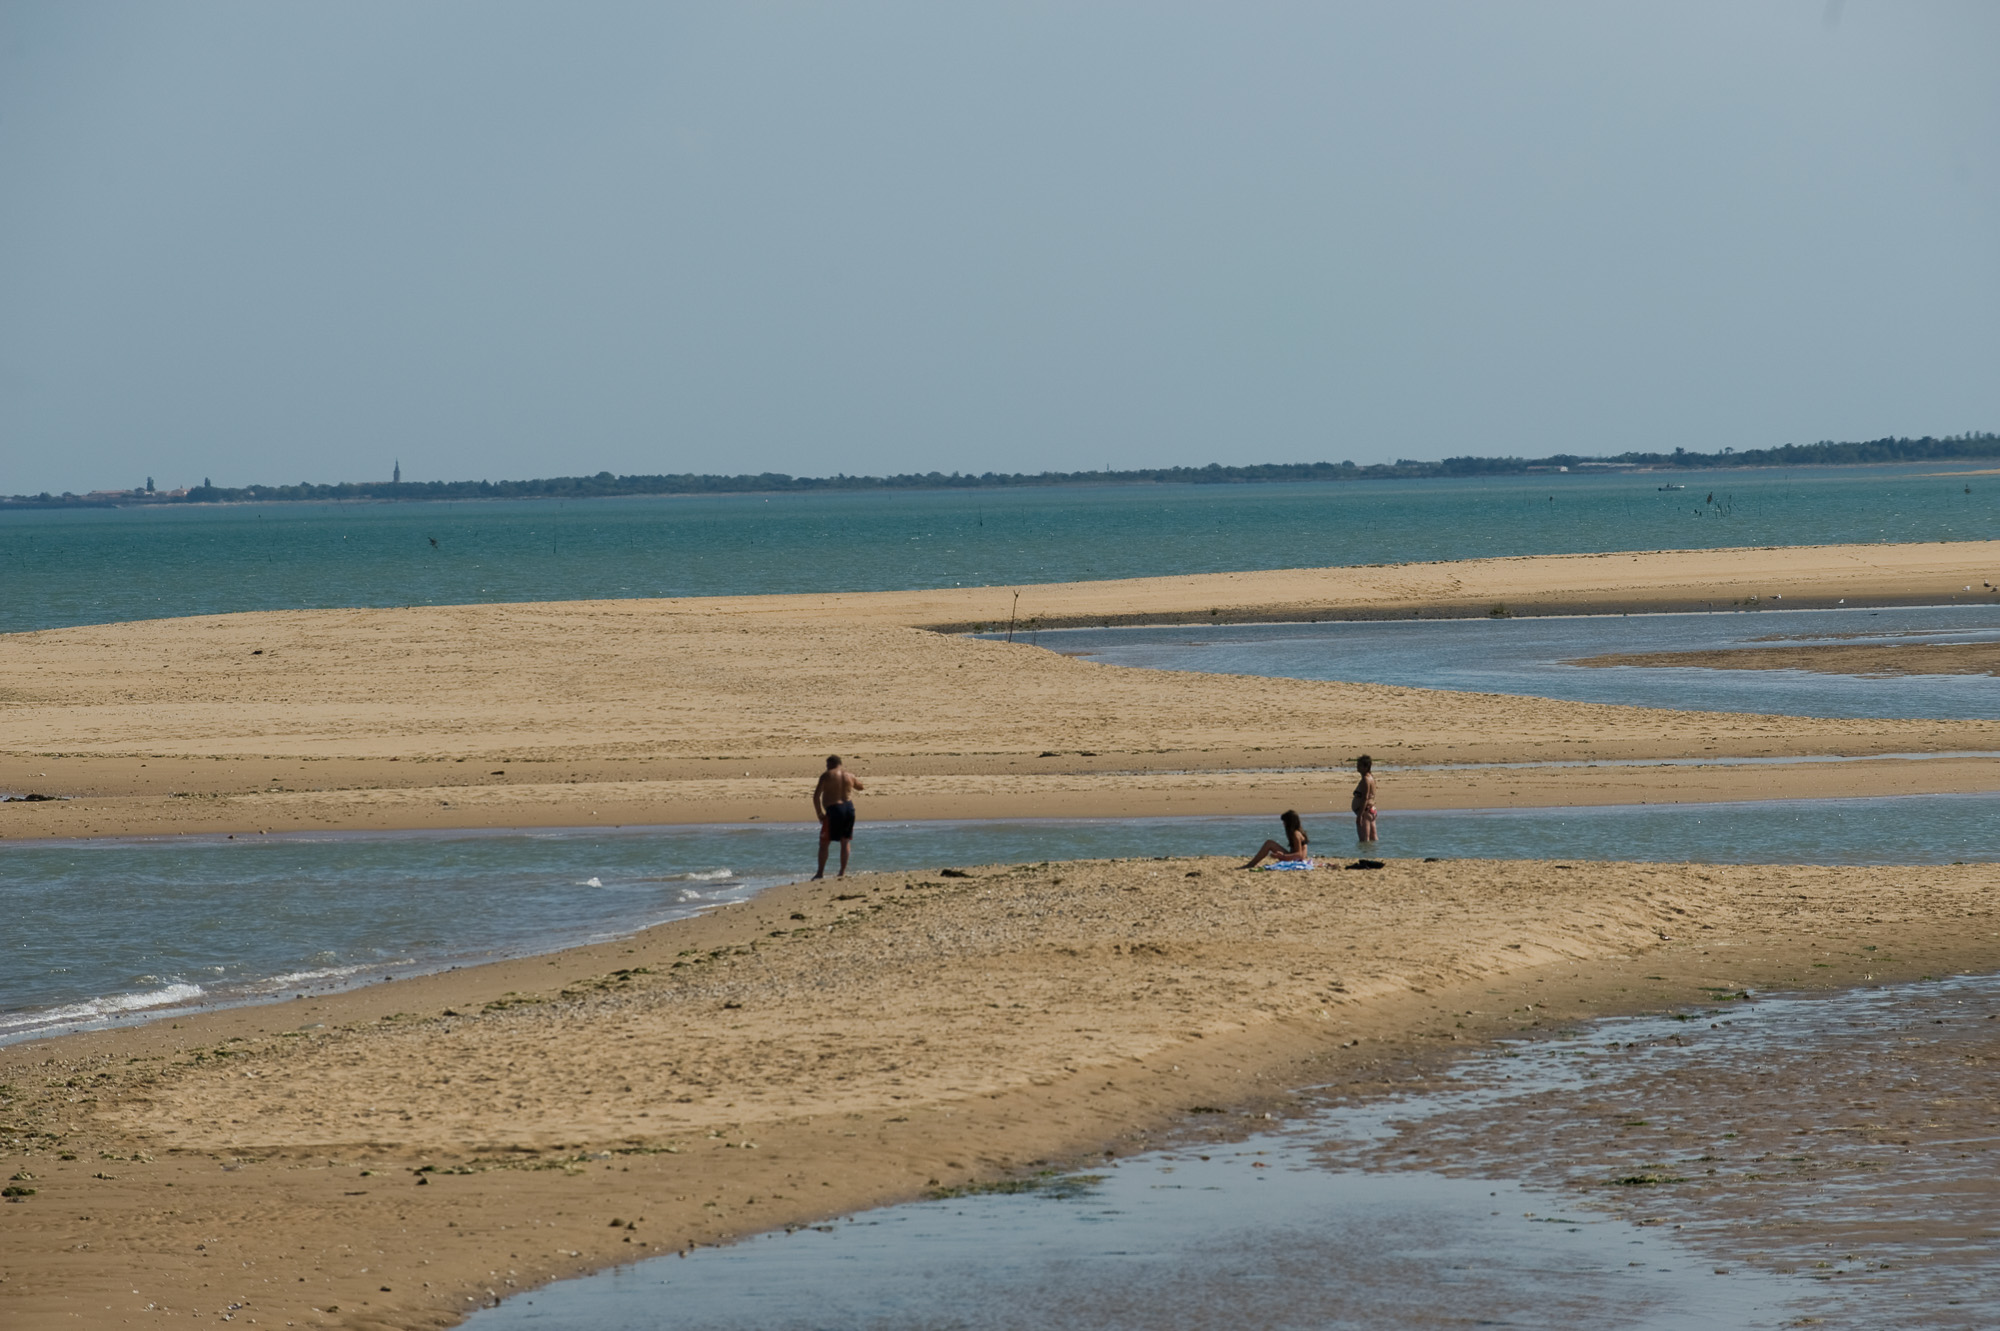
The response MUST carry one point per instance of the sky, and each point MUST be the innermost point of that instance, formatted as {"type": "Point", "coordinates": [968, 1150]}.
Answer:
{"type": "Point", "coordinates": [269, 242]}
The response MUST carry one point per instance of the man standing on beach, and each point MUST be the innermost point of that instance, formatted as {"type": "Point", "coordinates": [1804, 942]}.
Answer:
{"type": "Point", "coordinates": [833, 805]}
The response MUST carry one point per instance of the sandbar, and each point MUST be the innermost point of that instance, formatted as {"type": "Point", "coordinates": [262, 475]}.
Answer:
{"type": "Point", "coordinates": [395, 1156]}
{"type": "Point", "coordinates": [1874, 660]}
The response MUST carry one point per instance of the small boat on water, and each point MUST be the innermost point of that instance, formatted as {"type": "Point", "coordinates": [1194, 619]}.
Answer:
{"type": "Point", "coordinates": [1673, 487]}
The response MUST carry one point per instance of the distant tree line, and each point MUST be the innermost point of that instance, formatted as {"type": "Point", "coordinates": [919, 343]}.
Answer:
{"type": "Point", "coordinates": [603, 484]}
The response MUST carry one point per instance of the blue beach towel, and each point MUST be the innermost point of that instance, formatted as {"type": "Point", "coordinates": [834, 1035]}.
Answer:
{"type": "Point", "coordinates": [1287, 864]}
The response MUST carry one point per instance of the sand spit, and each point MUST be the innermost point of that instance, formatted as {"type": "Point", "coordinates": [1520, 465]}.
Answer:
{"type": "Point", "coordinates": [1809, 577]}
{"type": "Point", "coordinates": [395, 1156]}
{"type": "Point", "coordinates": [1876, 660]}
{"type": "Point", "coordinates": [600, 713]}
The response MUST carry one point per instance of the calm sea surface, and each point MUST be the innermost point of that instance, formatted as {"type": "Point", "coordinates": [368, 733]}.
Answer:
{"type": "Point", "coordinates": [102, 565]}
{"type": "Point", "coordinates": [108, 930]}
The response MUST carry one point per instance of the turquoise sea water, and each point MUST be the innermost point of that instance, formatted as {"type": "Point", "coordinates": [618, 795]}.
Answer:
{"type": "Point", "coordinates": [101, 565]}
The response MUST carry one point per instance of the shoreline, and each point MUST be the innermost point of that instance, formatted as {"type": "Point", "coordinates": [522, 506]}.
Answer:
{"type": "Point", "coordinates": [916, 791]}
{"type": "Point", "coordinates": [1237, 794]}
{"type": "Point", "coordinates": [833, 1046]}
{"type": "Point", "coordinates": [1703, 580]}
{"type": "Point", "coordinates": [823, 485]}
{"type": "Point", "coordinates": [1167, 831]}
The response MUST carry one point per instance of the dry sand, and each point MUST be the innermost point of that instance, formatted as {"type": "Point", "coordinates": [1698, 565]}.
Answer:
{"type": "Point", "coordinates": [617, 712]}
{"type": "Point", "coordinates": [1877, 660]}
{"type": "Point", "coordinates": [394, 1156]}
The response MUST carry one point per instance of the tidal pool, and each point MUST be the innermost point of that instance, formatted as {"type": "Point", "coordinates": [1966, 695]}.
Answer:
{"type": "Point", "coordinates": [1750, 1162]}
{"type": "Point", "coordinates": [1530, 656]}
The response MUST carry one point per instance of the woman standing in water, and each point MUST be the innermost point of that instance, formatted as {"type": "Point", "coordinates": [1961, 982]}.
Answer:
{"type": "Point", "coordinates": [1294, 848]}
{"type": "Point", "coordinates": [1364, 799]}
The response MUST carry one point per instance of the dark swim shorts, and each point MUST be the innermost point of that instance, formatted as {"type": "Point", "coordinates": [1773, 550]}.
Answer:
{"type": "Point", "coordinates": [840, 821]}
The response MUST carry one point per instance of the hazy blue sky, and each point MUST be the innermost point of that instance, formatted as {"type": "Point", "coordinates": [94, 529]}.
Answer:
{"type": "Point", "coordinates": [275, 242]}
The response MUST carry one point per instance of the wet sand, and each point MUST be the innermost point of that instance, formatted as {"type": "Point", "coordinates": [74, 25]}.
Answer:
{"type": "Point", "coordinates": [1836, 1139]}
{"type": "Point", "coordinates": [619, 712]}
{"type": "Point", "coordinates": [409, 1151]}
{"type": "Point", "coordinates": [1876, 660]}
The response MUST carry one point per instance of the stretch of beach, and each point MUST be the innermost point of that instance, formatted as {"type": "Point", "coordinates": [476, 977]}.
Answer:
{"type": "Point", "coordinates": [719, 710]}
{"type": "Point", "coordinates": [398, 1154]}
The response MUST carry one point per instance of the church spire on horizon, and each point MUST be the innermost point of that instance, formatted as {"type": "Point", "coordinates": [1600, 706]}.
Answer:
{"type": "Point", "coordinates": [397, 477]}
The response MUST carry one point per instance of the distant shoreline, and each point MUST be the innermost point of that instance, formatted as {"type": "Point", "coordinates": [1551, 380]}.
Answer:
{"type": "Point", "coordinates": [603, 485]}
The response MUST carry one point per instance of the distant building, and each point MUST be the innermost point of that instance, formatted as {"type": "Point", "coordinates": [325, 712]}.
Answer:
{"type": "Point", "coordinates": [397, 477]}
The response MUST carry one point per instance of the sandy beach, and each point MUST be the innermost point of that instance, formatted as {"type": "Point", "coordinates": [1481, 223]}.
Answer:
{"type": "Point", "coordinates": [619, 712]}
{"type": "Point", "coordinates": [480, 478]}
{"type": "Point", "coordinates": [397, 1155]}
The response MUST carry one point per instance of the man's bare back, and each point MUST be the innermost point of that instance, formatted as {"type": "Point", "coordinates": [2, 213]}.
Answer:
{"type": "Point", "coordinates": [833, 805]}
{"type": "Point", "coordinates": [836, 784]}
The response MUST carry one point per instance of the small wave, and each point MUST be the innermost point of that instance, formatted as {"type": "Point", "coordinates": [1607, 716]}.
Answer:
{"type": "Point", "coordinates": [325, 973]}
{"type": "Point", "coordinates": [593, 882]}
{"type": "Point", "coordinates": [96, 1009]}
{"type": "Point", "coordinates": [712, 876]}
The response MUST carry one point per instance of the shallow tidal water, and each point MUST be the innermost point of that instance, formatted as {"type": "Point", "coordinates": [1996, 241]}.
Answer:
{"type": "Point", "coordinates": [119, 930]}
{"type": "Point", "coordinates": [1254, 1236]}
{"type": "Point", "coordinates": [1529, 656]}
{"type": "Point", "coordinates": [1766, 1162]}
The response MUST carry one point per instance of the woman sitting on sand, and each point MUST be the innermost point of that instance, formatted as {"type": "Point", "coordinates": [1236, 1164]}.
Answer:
{"type": "Point", "coordinates": [1293, 851]}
